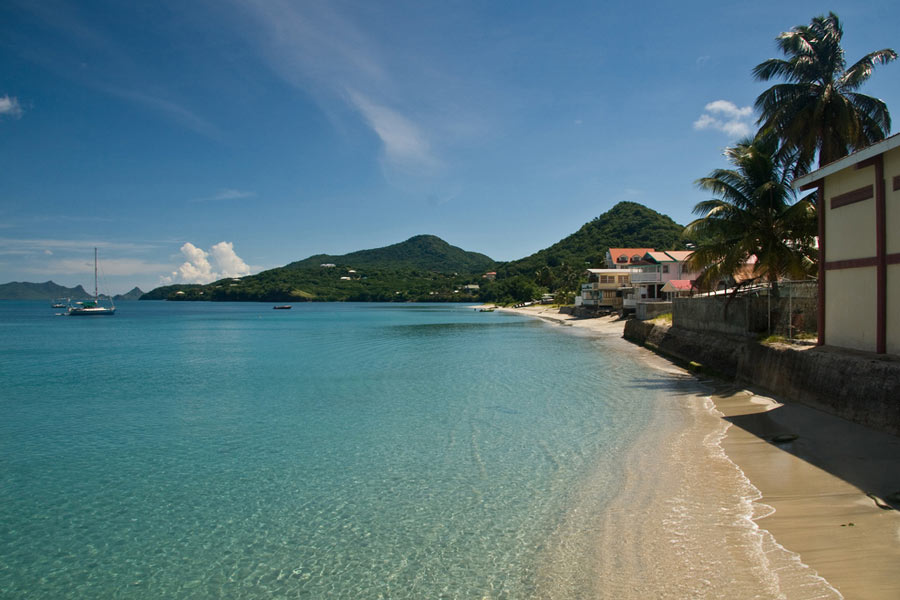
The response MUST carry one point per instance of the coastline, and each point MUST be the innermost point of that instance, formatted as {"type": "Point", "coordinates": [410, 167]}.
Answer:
{"type": "Point", "coordinates": [807, 496]}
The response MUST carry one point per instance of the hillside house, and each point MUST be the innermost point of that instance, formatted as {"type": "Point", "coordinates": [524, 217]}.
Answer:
{"type": "Point", "coordinates": [859, 248]}
{"type": "Point", "coordinates": [605, 289]}
{"type": "Point", "coordinates": [658, 268]}
{"type": "Point", "coordinates": [626, 258]}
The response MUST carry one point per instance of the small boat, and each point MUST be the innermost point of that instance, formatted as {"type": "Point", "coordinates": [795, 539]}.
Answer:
{"type": "Point", "coordinates": [91, 307]}
{"type": "Point", "coordinates": [60, 303]}
{"type": "Point", "coordinates": [283, 307]}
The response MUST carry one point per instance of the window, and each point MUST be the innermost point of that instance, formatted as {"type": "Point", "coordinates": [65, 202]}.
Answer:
{"type": "Point", "coordinates": [636, 258]}
{"type": "Point", "coordinates": [607, 279]}
{"type": "Point", "coordinates": [665, 268]}
{"type": "Point", "coordinates": [622, 259]}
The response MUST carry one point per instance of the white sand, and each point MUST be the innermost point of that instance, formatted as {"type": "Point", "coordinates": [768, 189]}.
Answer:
{"type": "Point", "coordinates": [816, 484]}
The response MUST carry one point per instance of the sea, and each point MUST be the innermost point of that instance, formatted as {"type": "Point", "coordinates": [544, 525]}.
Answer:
{"type": "Point", "coordinates": [341, 450]}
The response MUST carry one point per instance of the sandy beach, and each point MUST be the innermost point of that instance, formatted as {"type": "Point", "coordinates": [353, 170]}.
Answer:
{"type": "Point", "coordinates": [821, 487]}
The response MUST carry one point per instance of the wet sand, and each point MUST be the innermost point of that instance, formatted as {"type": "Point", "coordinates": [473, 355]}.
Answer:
{"type": "Point", "coordinates": [818, 495]}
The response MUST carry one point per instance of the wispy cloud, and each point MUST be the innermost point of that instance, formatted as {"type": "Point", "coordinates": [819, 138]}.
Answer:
{"type": "Point", "coordinates": [726, 117]}
{"type": "Point", "coordinates": [20, 246]}
{"type": "Point", "coordinates": [170, 109]}
{"type": "Point", "coordinates": [112, 267]}
{"type": "Point", "coordinates": [103, 63]}
{"type": "Point", "coordinates": [320, 52]}
{"type": "Point", "coordinates": [9, 107]}
{"type": "Point", "coordinates": [227, 194]}
{"type": "Point", "coordinates": [404, 142]}
{"type": "Point", "coordinates": [197, 267]}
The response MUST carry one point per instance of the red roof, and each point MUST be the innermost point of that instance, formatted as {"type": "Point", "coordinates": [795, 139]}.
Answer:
{"type": "Point", "coordinates": [679, 285]}
{"type": "Point", "coordinates": [680, 255]}
{"type": "Point", "coordinates": [628, 254]}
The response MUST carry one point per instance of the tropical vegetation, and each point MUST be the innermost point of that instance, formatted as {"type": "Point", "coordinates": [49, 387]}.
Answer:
{"type": "Point", "coordinates": [423, 268]}
{"type": "Point", "coordinates": [818, 109]}
{"type": "Point", "coordinates": [753, 216]}
{"type": "Point", "coordinates": [426, 268]}
{"type": "Point", "coordinates": [560, 268]}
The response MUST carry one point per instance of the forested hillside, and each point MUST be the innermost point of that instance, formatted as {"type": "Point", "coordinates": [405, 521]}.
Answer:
{"type": "Point", "coordinates": [426, 268]}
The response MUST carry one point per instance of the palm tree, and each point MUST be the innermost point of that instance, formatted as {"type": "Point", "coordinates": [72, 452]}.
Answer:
{"type": "Point", "coordinates": [819, 108]}
{"type": "Point", "coordinates": [755, 213]}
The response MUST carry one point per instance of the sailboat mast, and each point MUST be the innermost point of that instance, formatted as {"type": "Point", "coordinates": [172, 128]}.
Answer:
{"type": "Point", "coordinates": [96, 295]}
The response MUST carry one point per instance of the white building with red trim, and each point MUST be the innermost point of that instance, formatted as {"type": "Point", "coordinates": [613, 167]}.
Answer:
{"type": "Point", "coordinates": [859, 248]}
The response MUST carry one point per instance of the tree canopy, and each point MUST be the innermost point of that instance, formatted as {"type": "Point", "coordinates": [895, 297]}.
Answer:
{"type": "Point", "coordinates": [753, 216]}
{"type": "Point", "coordinates": [819, 109]}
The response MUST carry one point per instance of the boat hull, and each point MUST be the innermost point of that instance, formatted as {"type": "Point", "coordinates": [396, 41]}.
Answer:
{"type": "Point", "coordinates": [91, 312]}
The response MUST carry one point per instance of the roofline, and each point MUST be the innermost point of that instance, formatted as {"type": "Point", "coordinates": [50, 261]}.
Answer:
{"type": "Point", "coordinates": [842, 163]}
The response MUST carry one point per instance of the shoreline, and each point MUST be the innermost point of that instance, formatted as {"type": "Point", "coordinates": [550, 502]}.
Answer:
{"type": "Point", "coordinates": [812, 490]}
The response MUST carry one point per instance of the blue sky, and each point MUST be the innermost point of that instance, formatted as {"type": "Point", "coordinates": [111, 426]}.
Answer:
{"type": "Point", "coordinates": [196, 139]}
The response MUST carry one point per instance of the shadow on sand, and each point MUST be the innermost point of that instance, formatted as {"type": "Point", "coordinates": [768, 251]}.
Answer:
{"type": "Point", "coordinates": [865, 458]}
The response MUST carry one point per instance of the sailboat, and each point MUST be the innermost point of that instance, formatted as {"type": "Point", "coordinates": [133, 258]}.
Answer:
{"type": "Point", "coordinates": [92, 307]}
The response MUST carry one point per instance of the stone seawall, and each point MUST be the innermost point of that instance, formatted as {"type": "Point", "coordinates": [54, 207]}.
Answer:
{"type": "Point", "coordinates": [862, 388]}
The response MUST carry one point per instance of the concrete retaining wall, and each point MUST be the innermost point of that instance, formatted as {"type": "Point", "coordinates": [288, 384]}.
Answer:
{"type": "Point", "coordinates": [650, 310]}
{"type": "Point", "coordinates": [746, 315]}
{"type": "Point", "coordinates": [858, 387]}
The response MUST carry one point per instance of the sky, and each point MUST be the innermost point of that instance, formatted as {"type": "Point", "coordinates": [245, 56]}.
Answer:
{"type": "Point", "coordinates": [192, 140]}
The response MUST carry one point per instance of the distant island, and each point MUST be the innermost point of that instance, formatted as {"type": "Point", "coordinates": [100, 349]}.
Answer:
{"type": "Point", "coordinates": [23, 290]}
{"type": "Point", "coordinates": [426, 268]}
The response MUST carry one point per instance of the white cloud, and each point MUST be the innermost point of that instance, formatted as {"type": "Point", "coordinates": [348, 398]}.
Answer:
{"type": "Point", "coordinates": [228, 263]}
{"type": "Point", "coordinates": [403, 141]}
{"type": "Point", "coordinates": [10, 106]}
{"type": "Point", "coordinates": [729, 109]}
{"type": "Point", "coordinates": [726, 117]}
{"type": "Point", "coordinates": [197, 267]}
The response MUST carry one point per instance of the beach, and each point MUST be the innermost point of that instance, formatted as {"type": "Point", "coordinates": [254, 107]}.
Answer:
{"type": "Point", "coordinates": [816, 497]}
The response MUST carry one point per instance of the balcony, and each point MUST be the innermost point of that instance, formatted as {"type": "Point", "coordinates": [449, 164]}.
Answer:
{"type": "Point", "coordinates": [646, 277]}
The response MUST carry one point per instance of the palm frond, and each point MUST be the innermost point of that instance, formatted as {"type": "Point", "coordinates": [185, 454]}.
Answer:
{"type": "Point", "coordinates": [856, 75]}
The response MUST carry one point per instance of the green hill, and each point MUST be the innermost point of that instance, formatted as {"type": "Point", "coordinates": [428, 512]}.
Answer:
{"type": "Point", "coordinates": [560, 268]}
{"type": "Point", "coordinates": [423, 268]}
{"type": "Point", "coordinates": [426, 268]}
{"type": "Point", "coordinates": [422, 252]}
{"type": "Point", "coordinates": [134, 294]}
{"type": "Point", "coordinates": [23, 290]}
{"type": "Point", "coordinates": [625, 225]}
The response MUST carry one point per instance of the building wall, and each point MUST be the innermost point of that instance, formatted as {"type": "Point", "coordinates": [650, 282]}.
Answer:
{"type": "Point", "coordinates": [844, 224]}
{"type": "Point", "coordinates": [851, 288]}
{"type": "Point", "coordinates": [892, 202]}
{"type": "Point", "coordinates": [893, 308]}
{"type": "Point", "coordinates": [850, 308]}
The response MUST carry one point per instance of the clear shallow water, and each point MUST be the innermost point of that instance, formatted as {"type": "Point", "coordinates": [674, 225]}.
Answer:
{"type": "Point", "coordinates": [358, 451]}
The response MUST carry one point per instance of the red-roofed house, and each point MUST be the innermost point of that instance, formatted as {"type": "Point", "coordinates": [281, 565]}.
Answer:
{"type": "Point", "coordinates": [658, 269]}
{"type": "Point", "coordinates": [677, 288]}
{"type": "Point", "coordinates": [625, 258]}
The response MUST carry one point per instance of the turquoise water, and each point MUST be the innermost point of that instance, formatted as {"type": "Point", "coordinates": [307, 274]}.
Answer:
{"type": "Point", "coordinates": [204, 450]}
